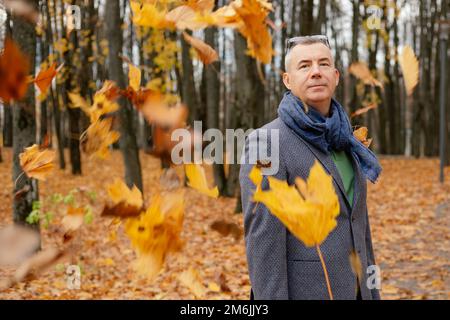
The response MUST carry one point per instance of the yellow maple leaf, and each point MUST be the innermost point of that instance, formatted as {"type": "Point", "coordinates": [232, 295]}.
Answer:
{"type": "Point", "coordinates": [95, 141]}
{"type": "Point", "coordinates": [148, 15]}
{"type": "Point", "coordinates": [197, 180]}
{"type": "Point", "coordinates": [134, 77]}
{"type": "Point", "coordinates": [37, 162]}
{"type": "Point", "coordinates": [410, 68]}
{"type": "Point", "coordinates": [156, 232]}
{"type": "Point", "coordinates": [253, 14]}
{"type": "Point", "coordinates": [308, 210]}
{"type": "Point", "coordinates": [102, 104]}
{"type": "Point", "coordinates": [119, 191]}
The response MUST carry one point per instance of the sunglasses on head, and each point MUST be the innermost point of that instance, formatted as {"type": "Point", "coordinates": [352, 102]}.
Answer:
{"type": "Point", "coordinates": [292, 42]}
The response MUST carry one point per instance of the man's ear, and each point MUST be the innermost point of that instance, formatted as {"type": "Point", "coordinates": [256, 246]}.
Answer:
{"type": "Point", "coordinates": [286, 80]}
{"type": "Point", "coordinates": [337, 76]}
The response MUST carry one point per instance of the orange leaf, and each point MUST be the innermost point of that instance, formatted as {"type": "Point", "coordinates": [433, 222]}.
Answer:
{"type": "Point", "coordinates": [363, 110]}
{"type": "Point", "coordinates": [14, 69]}
{"type": "Point", "coordinates": [361, 71]}
{"type": "Point", "coordinates": [45, 77]}
{"type": "Point", "coordinates": [361, 135]}
{"type": "Point", "coordinates": [156, 111]}
{"type": "Point", "coordinates": [205, 52]}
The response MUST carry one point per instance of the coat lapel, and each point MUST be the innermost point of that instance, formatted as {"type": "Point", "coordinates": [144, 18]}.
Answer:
{"type": "Point", "coordinates": [329, 165]}
{"type": "Point", "coordinates": [359, 182]}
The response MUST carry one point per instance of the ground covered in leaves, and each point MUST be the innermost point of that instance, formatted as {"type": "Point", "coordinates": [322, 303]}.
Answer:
{"type": "Point", "coordinates": [409, 211]}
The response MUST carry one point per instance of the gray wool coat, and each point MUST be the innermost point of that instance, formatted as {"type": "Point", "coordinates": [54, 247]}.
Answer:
{"type": "Point", "coordinates": [282, 267]}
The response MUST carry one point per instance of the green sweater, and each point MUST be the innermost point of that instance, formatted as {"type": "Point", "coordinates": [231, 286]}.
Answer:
{"type": "Point", "coordinates": [345, 168]}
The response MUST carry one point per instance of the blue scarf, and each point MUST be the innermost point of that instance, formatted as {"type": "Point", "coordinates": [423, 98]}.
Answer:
{"type": "Point", "coordinates": [327, 133]}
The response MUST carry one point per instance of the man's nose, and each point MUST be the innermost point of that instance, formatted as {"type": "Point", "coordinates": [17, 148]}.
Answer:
{"type": "Point", "coordinates": [315, 71]}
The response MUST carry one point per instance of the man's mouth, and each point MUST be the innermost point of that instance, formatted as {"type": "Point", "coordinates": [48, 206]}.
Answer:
{"type": "Point", "coordinates": [317, 86]}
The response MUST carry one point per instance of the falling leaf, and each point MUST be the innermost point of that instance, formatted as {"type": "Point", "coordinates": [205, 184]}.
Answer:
{"type": "Point", "coordinates": [73, 219]}
{"type": "Point", "coordinates": [45, 78]}
{"type": "Point", "coordinates": [37, 162]}
{"type": "Point", "coordinates": [119, 191]}
{"type": "Point", "coordinates": [95, 141]}
{"type": "Point", "coordinates": [184, 17]}
{"type": "Point", "coordinates": [308, 209]}
{"type": "Point", "coordinates": [148, 15]}
{"type": "Point", "coordinates": [361, 71]}
{"type": "Point", "coordinates": [103, 102]}
{"type": "Point", "coordinates": [17, 243]}
{"type": "Point", "coordinates": [192, 280]}
{"type": "Point", "coordinates": [156, 232]}
{"type": "Point", "coordinates": [126, 202]}
{"type": "Point", "coordinates": [134, 77]}
{"type": "Point", "coordinates": [197, 180]}
{"type": "Point", "coordinates": [14, 69]}
{"type": "Point", "coordinates": [361, 135]}
{"type": "Point", "coordinates": [156, 111]}
{"type": "Point", "coordinates": [22, 8]}
{"type": "Point", "coordinates": [205, 52]}
{"type": "Point", "coordinates": [227, 228]}
{"type": "Point", "coordinates": [201, 5]}
{"type": "Point", "coordinates": [410, 68]}
{"type": "Point", "coordinates": [364, 110]}
{"type": "Point", "coordinates": [109, 90]}
{"type": "Point", "coordinates": [79, 102]}
{"type": "Point", "coordinates": [253, 14]}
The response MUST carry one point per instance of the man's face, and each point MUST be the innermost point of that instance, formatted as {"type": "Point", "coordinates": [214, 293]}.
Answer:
{"type": "Point", "coordinates": [311, 75]}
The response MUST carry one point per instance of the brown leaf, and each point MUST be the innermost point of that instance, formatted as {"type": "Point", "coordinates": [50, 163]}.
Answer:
{"type": "Point", "coordinates": [222, 280]}
{"type": "Point", "coordinates": [227, 228]}
{"type": "Point", "coordinates": [121, 210]}
{"type": "Point", "coordinates": [36, 162]}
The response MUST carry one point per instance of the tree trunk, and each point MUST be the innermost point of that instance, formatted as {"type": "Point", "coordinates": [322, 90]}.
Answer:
{"type": "Point", "coordinates": [128, 144]}
{"type": "Point", "coordinates": [247, 113]}
{"type": "Point", "coordinates": [24, 126]}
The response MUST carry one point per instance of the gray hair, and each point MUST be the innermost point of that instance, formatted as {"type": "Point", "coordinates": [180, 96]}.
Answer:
{"type": "Point", "coordinates": [287, 57]}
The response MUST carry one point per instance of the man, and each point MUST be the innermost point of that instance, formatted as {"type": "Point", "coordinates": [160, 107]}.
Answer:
{"type": "Point", "coordinates": [311, 126]}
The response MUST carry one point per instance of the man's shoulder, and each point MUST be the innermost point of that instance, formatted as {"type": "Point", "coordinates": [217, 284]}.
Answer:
{"type": "Point", "coordinates": [276, 124]}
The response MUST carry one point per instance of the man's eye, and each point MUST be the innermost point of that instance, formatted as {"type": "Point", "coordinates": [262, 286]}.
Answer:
{"type": "Point", "coordinates": [303, 66]}
{"type": "Point", "coordinates": [325, 64]}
